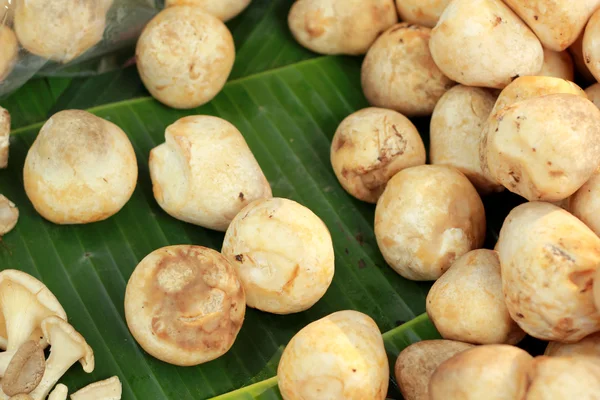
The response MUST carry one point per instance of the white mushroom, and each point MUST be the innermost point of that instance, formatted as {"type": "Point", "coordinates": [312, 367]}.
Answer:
{"type": "Point", "coordinates": [558, 64]}
{"type": "Point", "coordinates": [108, 389]}
{"type": "Point", "coordinates": [25, 370]}
{"type": "Point", "coordinates": [9, 215]}
{"type": "Point", "coordinates": [67, 347]}
{"type": "Point", "coordinates": [560, 378]}
{"type": "Point", "coordinates": [59, 393]}
{"type": "Point", "coordinates": [4, 136]}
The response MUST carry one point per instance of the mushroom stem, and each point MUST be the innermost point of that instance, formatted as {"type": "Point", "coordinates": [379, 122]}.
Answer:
{"type": "Point", "coordinates": [59, 393]}
{"type": "Point", "coordinates": [108, 389]}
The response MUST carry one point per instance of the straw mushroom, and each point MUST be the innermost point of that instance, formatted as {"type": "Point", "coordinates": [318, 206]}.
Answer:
{"type": "Point", "coordinates": [4, 136]}
{"type": "Point", "coordinates": [491, 372]}
{"type": "Point", "coordinates": [585, 203]}
{"type": "Point", "coordinates": [558, 64]}
{"type": "Point", "coordinates": [372, 145]}
{"type": "Point", "coordinates": [25, 370]}
{"type": "Point", "coordinates": [422, 12]}
{"type": "Point", "coordinates": [81, 25]}
{"type": "Point", "coordinates": [576, 51]}
{"type": "Point", "coordinates": [340, 26]}
{"type": "Point", "coordinates": [426, 218]}
{"type": "Point", "coordinates": [341, 356]}
{"type": "Point", "coordinates": [205, 173]}
{"type": "Point", "coordinates": [283, 254]}
{"type": "Point", "coordinates": [593, 93]}
{"type": "Point", "coordinates": [108, 389]}
{"type": "Point", "coordinates": [9, 215]}
{"type": "Point", "coordinates": [23, 396]}
{"type": "Point", "coordinates": [483, 43]}
{"type": "Point", "coordinates": [184, 304]}
{"type": "Point", "coordinates": [399, 73]}
{"type": "Point", "coordinates": [60, 392]}
{"type": "Point", "coordinates": [547, 279]}
{"type": "Point", "coordinates": [416, 363]}
{"type": "Point", "coordinates": [591, 44]}
{"type": "Point", "coordinates": [9, 50]}
{"type": "Point", "coordinates": [80, 169]}
{"type": "Point", "coordinates": [559, 378]}
{"type": "Point", "coordinates": [184, 56]}
{"type": "Point", "coordinates": [588, 346]}
{"type": "Point", "coordinates": [222, 9]}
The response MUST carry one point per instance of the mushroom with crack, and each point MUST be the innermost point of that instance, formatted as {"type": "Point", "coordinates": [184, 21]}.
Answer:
{"type": "Point", "coordinates": [283, 254]}
{"type": "Point", "coordinates": [60, 392]}
{"type": "Point", "coordinates": [9, 50]}
{"type": "Point", "coordinates": [4, 136]}
{"type": "Point", "coordinates": [25, 370]}
{"type": "Point", "coordinates": [9, 215]}
{"type": "Point", "coordinates": [185, 304]}
{"type": "Point", "coordinates": [559, 378]}
{"type": "Point", "coordinates": [588, 346]}
{"type": "Point", "coordinates": [222, 9]}
{"type": "Point", "coordinates": [108, 389]}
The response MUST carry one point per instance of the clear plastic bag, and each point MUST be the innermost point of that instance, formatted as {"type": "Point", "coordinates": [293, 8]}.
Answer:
{"type": "Point", "coordinates": [122, 25]}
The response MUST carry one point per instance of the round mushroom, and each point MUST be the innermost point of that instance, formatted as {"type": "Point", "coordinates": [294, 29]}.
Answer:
{"type": "Point", "coordinates": [591, 45]}
{"type": "Point", "coordinates": [422, 12]}
{"type": "Point", "coordinates": [222, 9]}
{"type": "Point", "coordinates": [205, 173]}
{"type": "Point", "coordinates": [558, 64]}
{"type": "Point", "coordinates": [548, 260]}
{"type": "Point", "coordinates": [372, 145]}
{"type": "Point", "coordinates": [426, 218]}
{"type": "Point", "coordinates": [466, 303]}
{"type": "Point", "coordinates": [184, 56]}
{"type": "Point", "coordinates": [455, 133]}
{"type": "Point", "coordinates": [60, 30]}
{"type": "Point", "coordinates": [416, 363]}
{"type": "Point", "coordinates": [483, 43]}
{"type": "Point", "coordinates": [184, 304]}
{"type": "Point", "coordinates": [593, 94]}
{"type": "Point", "coordinates": [283, 254]}
{"type": "Point", "coordinates": [585, 203]}
{"type": "Point", "coordinates": [588, 346]}
{"type": "Point", "coordinates": [399, 73]}
{"type": "Point", "coordinates": [9, 50]}
{"type": "Point", "coordinates": [80, 169]}
{"type": "Point", "coordinates": [559, 378]}
{"type": "Point", "coordinates": [491, 372]}
{"type": "Point", "coordinates": [340, 26]}
{"type": "Point", "coordinates": [341, 356]}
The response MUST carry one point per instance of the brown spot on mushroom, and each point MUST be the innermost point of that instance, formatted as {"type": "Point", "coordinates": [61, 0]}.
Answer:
{"type": "Point", "coordinates": [497, 21]}
{"type": "Point", "coordinates": [25, 370]}
{"type": "Point", "coordinates": [515, 177]}
{"type": "Point", "coordinates": [549, 163]}
{"type": "Point", "coordinates": [241, 196]}
{"type": "Point", "coordinates": [556, 251]}
{"type": "Point", "coordinates": [519, 315]}
{"type": "Point", "coordinates": [536, 17]}
{"type": "Point", "coordinates": [533, 149]}
{"type": "Point", "coordinates": [340, 142]}
{"type": "Point", "coordinates": [556, 173]}
{"type": "Point", "coordinates": [288, 285]}
{"type": "Point", "coordinates": [345, 173]}
{"type": "Point", "coordinates": [588, 60]}
{"type": "Point", "coordinates": [239, 258]}
{"type": "Point", "coordinates": [584, 280]}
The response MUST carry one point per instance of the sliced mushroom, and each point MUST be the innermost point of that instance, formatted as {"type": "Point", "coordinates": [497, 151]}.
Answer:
{"type": "Point", "coordinates": [9, 215]}
{"type": "Point", "coordinates": [59, 393]}
{"type": "Point", "coordinates": [108, 389]}
{"type": "Point", "coordinates": [25, 369]}
{"type": "Point", "coordinates": [4, 136]}
{"type": "Point", "coordinates": [67, 347]}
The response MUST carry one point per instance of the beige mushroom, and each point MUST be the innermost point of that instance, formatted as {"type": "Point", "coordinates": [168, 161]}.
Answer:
{"type": "Point", "coordinates": [108, 389]}
{"type": "Point", "coordinates": [24, 396]}
{"type": "Point", "coordinates": [416, 363]}
{"type": "Point", "coordinates": [399, 73]}
{"type": "Point", "coordinates": [490, 372]}
{"type": "Point", "coordinates": [593, 94]}
{"type": "Point", "coordinates": [340, 26]}
{"type": "Point", "coordinates": [60, 392]}
{"type": "Point", "coordinates": [9, 215]}
{"type": "Point", "coordinates": [422, 12]}
{"type": "Point", "coordinates": [341, 356]}
{"type": "Point", "coordinates": [559, 378]}
{"type": "Point", "coordinates": [576, 51]}
{"type": "Point", "coordinates": [588, 346]}
{"type": "Point", "coordinates": [184, 56]}
{"type": "Point", "coordinates": [67, 347]}
{"type": "Point", "coordinates": [427, 217]}
{"type": "Point", "coordinates": [205, 173]}
{"type": "Point", "coordinates": [455, 133]}
{"type": "Point", "coordinates": [283, 254]}
{"type": "Point", "coordinates": [184, 304]}
{"type": "Point", "coordinates": [222, 9]}
{"type": "Point", "coordinates": [372, 145]}
{"type": "Point", "coordinates": [591, 44]}
{"type": "Point", "coordinates": [4, 135]}
{"type": "Point", "coordinates": [9, 50]}
{"type": "Point", "coordinates": [548, 260]}
{"type": "Point", "coordinates": [585, 203]}
{"type": "Point", "coordinates": [558, 64]}
{"type": "Point", "coordinates": [80, 169]}
{"type": "Point", "coordinates": [25, 370]}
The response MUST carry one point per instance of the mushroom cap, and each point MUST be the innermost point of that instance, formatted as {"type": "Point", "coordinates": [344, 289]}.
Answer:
{"type": "Point", "coordinates": [340, 26]}
{"type": "Point", "coordinates": [60, 333]}
{"type": "Point", "coordinates": [9, 215]}
{"type": "Point", "coordinates": [399, 73]}
{"type": "Point", "coordinates": [491, 372]}
{"type": "Point", "coordinates": [60, 30]}
{"type": "Point", "coordinates": [25, 370]}
{"type": "Point", "coordinates": [558, 64]}
{"type": "Point", "coordinates": [588, 346]}
{"type": "Point", "coordinates": [108, 389]}
{"type": "Point", "coordinates": [372, 145]}
{"type": "Point", "coordinates": [426, 218]}
{"type": "Point", "coordinates": [80, 169]}
{"type": "Point", "coordinates": [184, 56]}
{"type": "Point", "coordinates": [222, 9]}
{"type": "Point", "coordinates": [9, 50]}
{"type": "Point", "coordinates": [422, 12]}
{"type": "Point", "coordinates": [416, 363]}
{"type": "Point", "coordinates": [593, 93]}
{"type": "Point", "coordinates": [283, 254]}
{"type": "Point", "coordinates": [184, 304]}
{"type": "Point", "coordinates": [548, 259]}
{"type": "Point", "coordinates": [4, 135]}
{"type": "Point", "coordinates": [558, 378]}
{"type": "Point", "coordinates": [205, 173]}
{"type": "Point", "coordinates": [340, 356]}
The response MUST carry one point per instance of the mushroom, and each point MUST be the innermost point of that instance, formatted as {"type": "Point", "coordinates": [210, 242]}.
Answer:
{"type": "Point", "coordinates": [283, 254]}
{"type": "Point", "coordinates": [422, 12]}
{"type": "Point", "coordinates": [426, 218]}
{"type": "Point", "coordinates": [558, 64]}
{"type": "Point", "coordinates": [60, 30]}
{"type": "Point", "coordinates": [559, 378]}
{"type": "Point", "coordinates": [591, 45]}
{"type": "Point", "coordinates": [222, 9]}
{"type": "Point", "coordinates": [467, 304]}
{"type": "Point", "coordinates": [9, 215]}
{"type": "Point", "coordinates": [184, 56]}
{"type": "Point", "coordinates": [340, 26]}
{"type": "Point", "coordinates": [585, 203]}
{"type": "Point", "coordinates": [416, 363]}
{"type": "Point", "coordinates": [340, 356]}
{"type": "Point", "coordinates": [205, 173]}
{"type": "Point", "coordinates": [588, 346]}
{"type": "Point", "coordinates": [548, 260]}
{"type": "Point", "coordinates": [372, 145]}
{"type": "Point", "coordinates": [9, 50]}
{"type": "Point", "coordinates": [59, 393]}
{"type": "Point", "coordinates": [4, 133]}
{"type": "Point", "coordinates": [455, 133]}
{"type": "Point", "coordinates": [80, 169]}
{"type": "Point", "coordinates": [593, 93]}
{"type": "Point", "coordinates": [399, 73]}
{"type": "Point", "coordinates": [483, 43]}
{"type": "Point", "coordinates": [108, 389]}
{"type": "Point", "coordinates": [184, 304]}
{"type": "Point", "coordinates": [24, 396]}
{"type": "Point", "coordinates": [576, 51]}
{"type": "Point", "coordinates": [67, 347]}
{"type": "Point", "coordinates": [491, 372]}
{"type": "Point", "coordinates": [25, 370]}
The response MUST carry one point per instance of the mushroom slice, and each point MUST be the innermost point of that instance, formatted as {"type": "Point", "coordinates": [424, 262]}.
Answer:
{"type": "Point", "coordinates": [59, 393]}
{"type": "Point", "coordinates": [4, 136]}
{"type": "Point", "coordinates": [67, 347]}
{"type": "Point", "coordinates": [25, 302]}
{"type": "Point", "coordinates": [25, 369]}
{"type": "Point", "coordinates": [9, 215]}
{"type": "Point", "coordinates": [108, 389]}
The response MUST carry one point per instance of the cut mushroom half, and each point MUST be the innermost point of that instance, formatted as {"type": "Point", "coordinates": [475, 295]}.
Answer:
{"type": "Point", "coordinates": [67, 347]}
{"type": "Point", "coordinates": [108, 389]}
{"type": "Point", "coordinates": [25, 370]}
{"type": "Point", "coordinates": [60, 392]}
